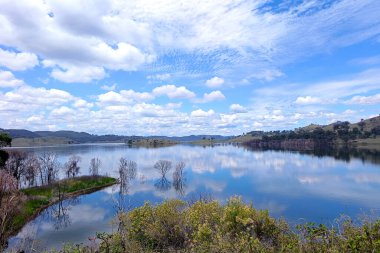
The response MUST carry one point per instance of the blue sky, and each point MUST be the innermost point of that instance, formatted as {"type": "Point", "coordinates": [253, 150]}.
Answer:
{"type": "Point", "coordinates": [170, 67]}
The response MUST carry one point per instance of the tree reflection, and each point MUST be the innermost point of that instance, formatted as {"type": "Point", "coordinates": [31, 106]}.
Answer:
{"type": "Point", "coordinates": [179, 178]}
{"type": "Point", "coordinates": [163, 184]}
{"type": "Point", "coordinates": [59, 213]}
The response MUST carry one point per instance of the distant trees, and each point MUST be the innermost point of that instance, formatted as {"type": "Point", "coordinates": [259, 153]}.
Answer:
{"type": "Point", "coordinates": [95, 164]}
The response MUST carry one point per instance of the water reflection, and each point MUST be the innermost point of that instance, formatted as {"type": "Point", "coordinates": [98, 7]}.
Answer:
{"type": "Point", "coordinates": [300, 186]}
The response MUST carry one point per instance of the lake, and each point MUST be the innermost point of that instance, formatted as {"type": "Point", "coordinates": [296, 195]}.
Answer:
{"type": "Point", "coordinates": [312, 186]}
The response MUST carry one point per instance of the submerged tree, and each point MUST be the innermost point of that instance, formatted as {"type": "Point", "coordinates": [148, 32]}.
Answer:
{"type": "Point", "coordinates": [178, 178]}
{"type": "Point", "coordinates": [49, 166]}
{"type": "Point", "coordinates": [72, 166]}
{"type": "Point", "coordinates": [95, 164]}
{"type": "Point", "coordinates": [163, 166]}
{"type": "Point", "coordinates": [15, 164]}
{"type": "Point", "coordinates": [31, 169]}
{"type": "Point", "coordinates": [127, 172]}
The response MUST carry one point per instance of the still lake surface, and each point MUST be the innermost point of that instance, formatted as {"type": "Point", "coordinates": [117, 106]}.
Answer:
{"type": "Point", "coordinates": [300, 187]}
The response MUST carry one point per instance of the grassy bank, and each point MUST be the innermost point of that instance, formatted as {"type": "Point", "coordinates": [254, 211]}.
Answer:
{"type": "Point", "coordinates": [176, 226]}
{"type": "Point", "coordinates": [36, 199]}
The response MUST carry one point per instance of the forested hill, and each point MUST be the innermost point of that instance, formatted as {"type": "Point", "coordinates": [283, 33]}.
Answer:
{"type": "Point", "coordinates": [365, 132]}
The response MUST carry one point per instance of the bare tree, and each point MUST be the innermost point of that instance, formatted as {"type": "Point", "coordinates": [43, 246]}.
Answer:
{"type": "Point", "coordinates": [178, 178]}
{"type": "Point", "coordinates": [8, 185]}
{"type": "Point", "coordinates": [15, 164]}
{"type": "Point", "coordinates": [127, 168]}
{"type": "Point", "coordinates": [95, 164]}
{"type": "Point", "coordinates": [31, 169]}
{"type": "Point", "coordinates": [10, 199]}
{"type": "Point", "coordinates": [72, 166]}
{"type": "Point", "coordinates": [49, 167]}
{"type": "Point", "coordinates": [163, 166]}
{"type": "Point", "coordinates": [127, 171]}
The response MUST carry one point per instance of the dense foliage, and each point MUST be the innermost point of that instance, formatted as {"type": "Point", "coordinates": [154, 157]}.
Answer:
{"type": "Point", "coordinates": [175, 226]}
{"type": "Point", "coordinates": [5, 139]}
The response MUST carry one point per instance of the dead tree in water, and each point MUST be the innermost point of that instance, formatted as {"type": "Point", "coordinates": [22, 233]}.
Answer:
{"type": "Point", "coordinates": [179, 179]}
{"type": "Point", "coordinates": [72, 166]}
{"type": "Point", "coordinates": [127, 172]}
{"type": "Point", "coordinates": [31, 170]}
{"type": "Point", "coordinates": [163, 166]}
{"type": "Point", "coordinates": [49, 168]}
{"type": "Point", "coordinates": [95, 164]}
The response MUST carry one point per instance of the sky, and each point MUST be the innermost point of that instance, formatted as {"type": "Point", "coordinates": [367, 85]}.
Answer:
{"type": "Point", "coordinates": [176, 67]}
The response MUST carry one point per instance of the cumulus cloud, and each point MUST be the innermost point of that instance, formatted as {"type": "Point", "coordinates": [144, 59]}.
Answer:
{"type": "Point", "coordinates": [7, 79]}
{"type": "Point", "coordinates": [212, 96]}
{"type": "Point", "coordinates": [173, 91]}
{"type": "Point", "coordinates": [124, 96]}
{"type": "Point", "coordinates": [214, 82]}
{"type": "Point", "coordinates": [236, 108]}
{"type": "Point", "coordinates": [201, 113]}
{"type": "Point", "coordinates": [75, 74]}
{"type": "Point", "coordinates": [17, 61]}
{"type": "Point", "coordinates": [307, 100]}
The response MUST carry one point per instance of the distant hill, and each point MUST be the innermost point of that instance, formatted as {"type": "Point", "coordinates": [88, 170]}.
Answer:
{"type": "Point", "coordinates": [22, 137]}
{"type": "Point", "coordinates": [363, 125]}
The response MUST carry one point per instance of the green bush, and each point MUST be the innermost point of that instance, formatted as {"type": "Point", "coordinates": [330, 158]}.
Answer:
{"type": "Point", "coordinates": [175, 226]}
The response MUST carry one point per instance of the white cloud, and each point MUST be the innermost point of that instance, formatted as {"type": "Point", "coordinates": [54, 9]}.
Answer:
{"type": "Point", "coordinates": [201, 113]}
{"type": "Point", "coordinates": [17, 61]}
{"type": "Point", "coordinates": [212, 96]}
{"type": "Point", "coordinates": [308, 100]}
{"type": "Point", "coordinates": [62, 111]}
{"type": "Point", "coordinates": [365, 100]}
{"type": "Point", "coordinates": [214, 82]}
{"type": "Point", "coordinates": [236, 108]}
{"type": "Point", "coordinates": [116, 35]}
{"type": "Point", "coordinates": [74, 74]}
{"type": "Point", "coordinates": [124, 96]}
{"type": "Point", "coordinates": [7, 79]}
{"type": "Point", "coordinates": [173, 91]}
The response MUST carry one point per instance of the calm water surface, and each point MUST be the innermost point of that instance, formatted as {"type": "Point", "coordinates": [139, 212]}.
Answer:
{"type": "Point", "coordinates": [299, 187]}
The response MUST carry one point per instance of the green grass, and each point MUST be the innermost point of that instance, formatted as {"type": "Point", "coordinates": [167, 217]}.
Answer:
{"type": "Point", "coordinates": [41, 196]}
{"type": "Point", "coordinates": [70, 185]}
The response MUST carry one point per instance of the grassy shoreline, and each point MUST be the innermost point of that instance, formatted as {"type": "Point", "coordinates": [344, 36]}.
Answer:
{"type": "Point", "coordinates": [37, 199]}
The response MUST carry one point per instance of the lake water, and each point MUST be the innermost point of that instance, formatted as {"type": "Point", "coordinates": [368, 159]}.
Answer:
{"type": "Point", "coordinates": [316, 187]}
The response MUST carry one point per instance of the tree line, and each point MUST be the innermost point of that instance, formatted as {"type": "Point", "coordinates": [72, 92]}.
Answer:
{"type": "Point", "coordinates": [340, 130]}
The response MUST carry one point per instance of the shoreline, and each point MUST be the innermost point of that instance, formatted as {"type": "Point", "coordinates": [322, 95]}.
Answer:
{"type": "Point", "coordinates": [52, 201]}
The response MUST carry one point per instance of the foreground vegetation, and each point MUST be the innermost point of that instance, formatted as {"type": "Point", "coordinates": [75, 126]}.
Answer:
{"type": "Point", "coordinates": [175, 226]}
